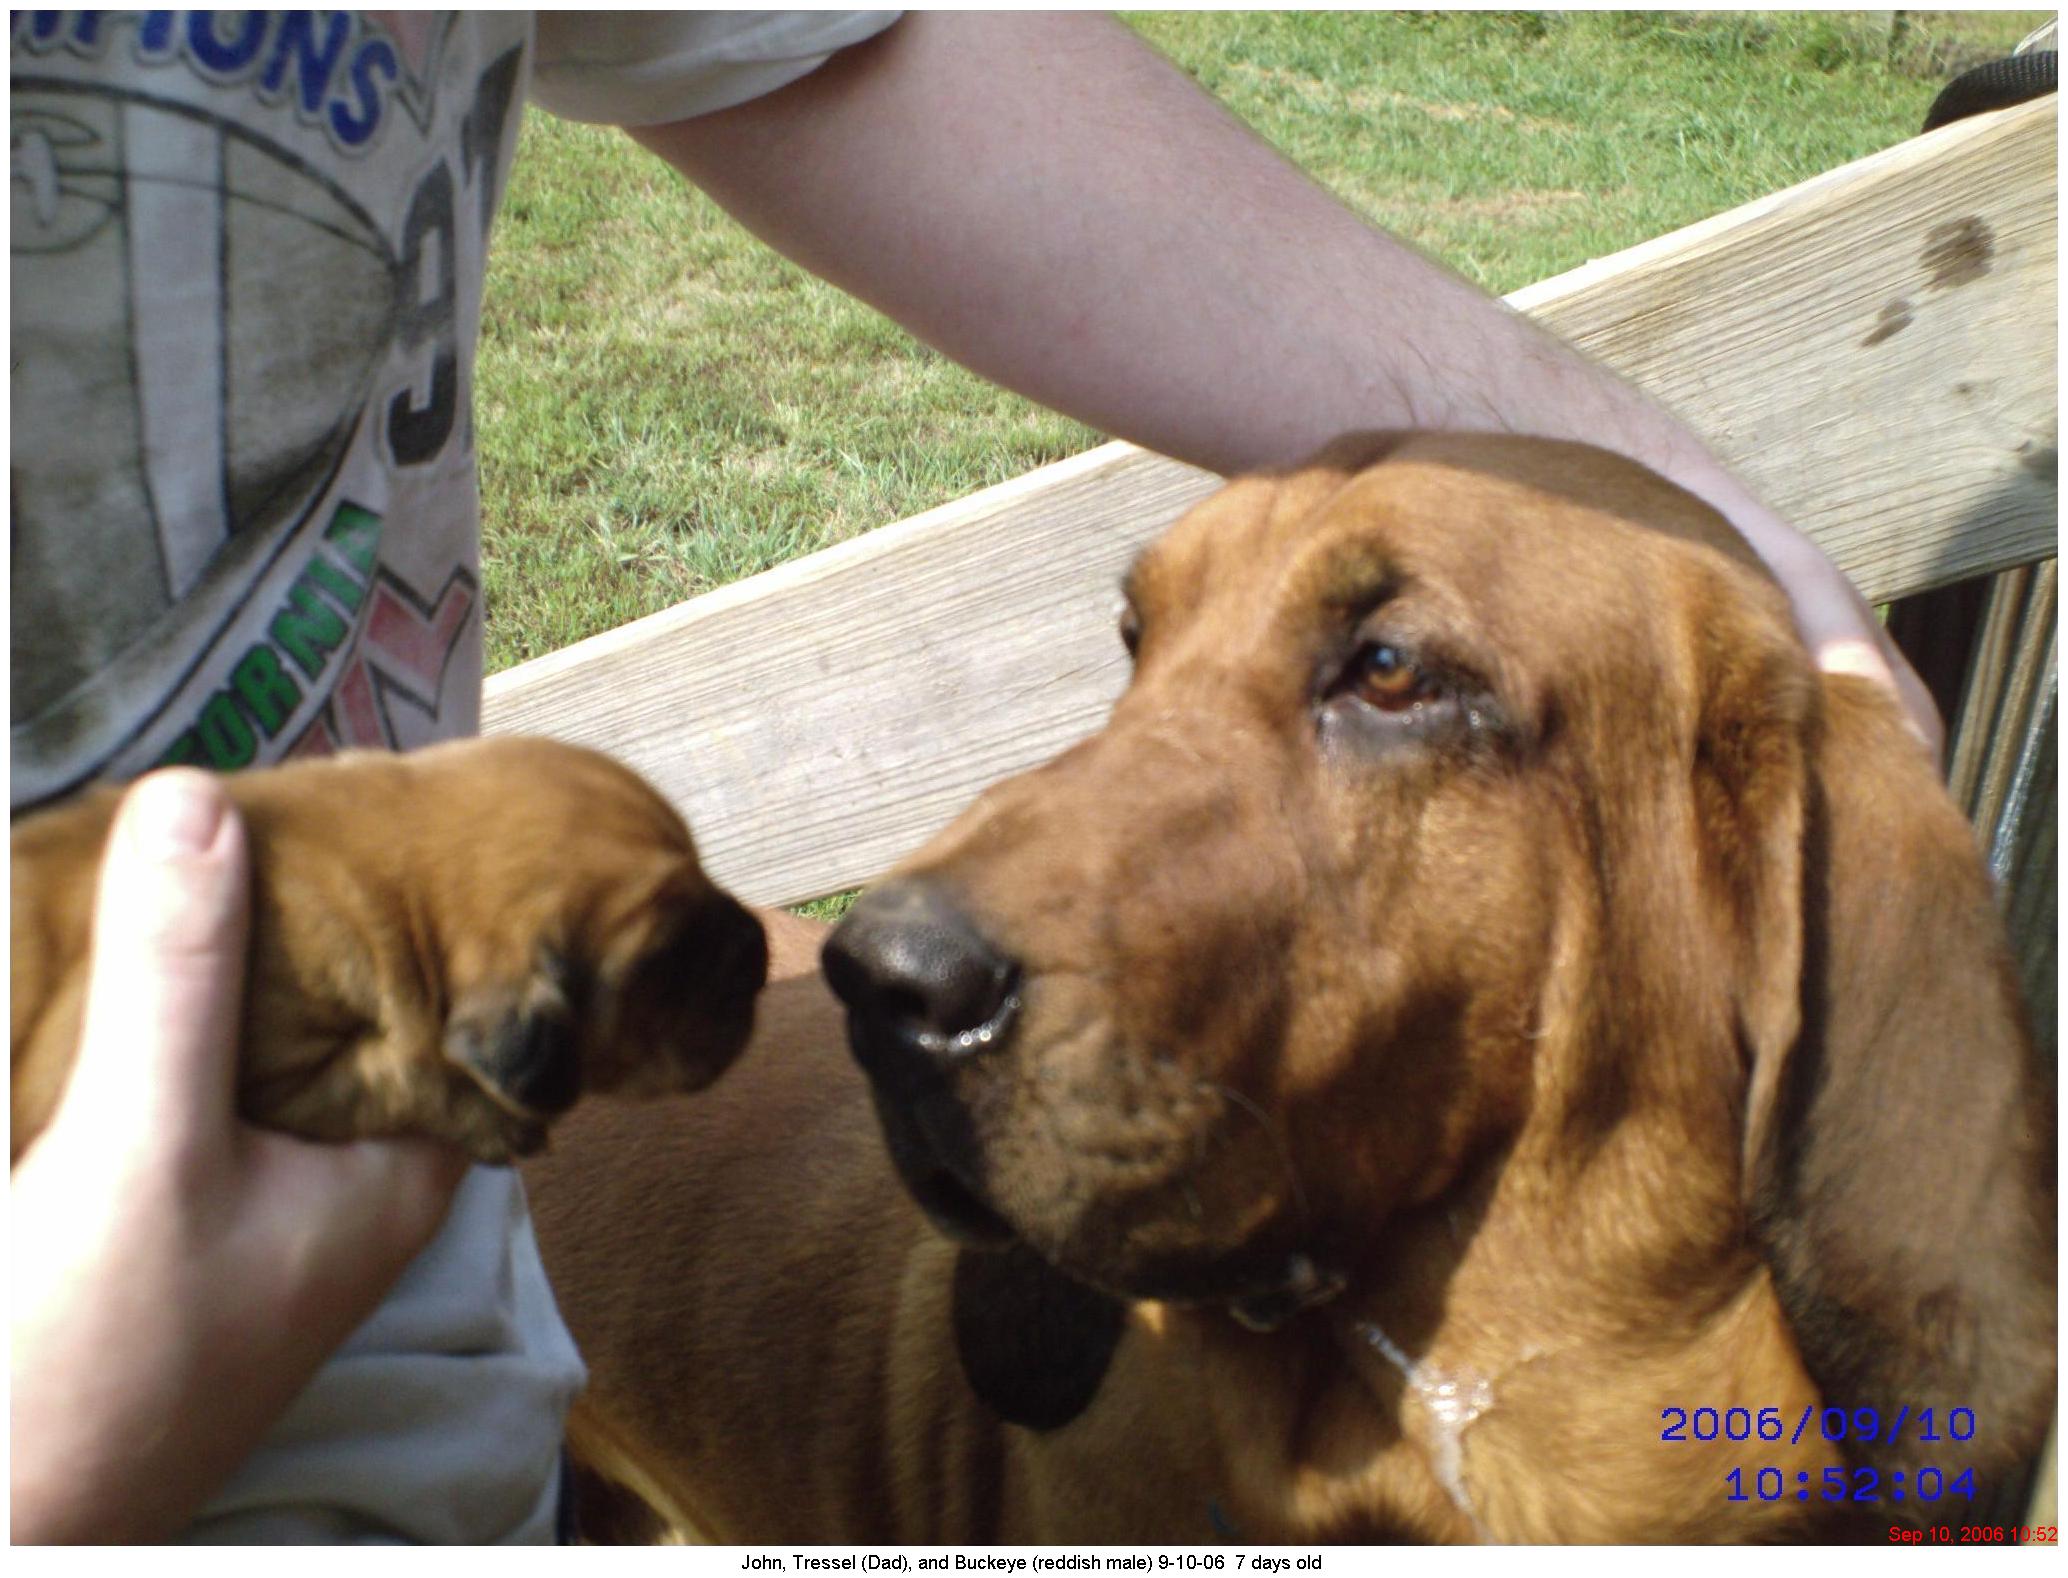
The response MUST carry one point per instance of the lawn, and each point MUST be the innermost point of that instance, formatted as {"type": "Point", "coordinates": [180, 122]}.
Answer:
{"type": "Point", "coordinates": [665, 406]}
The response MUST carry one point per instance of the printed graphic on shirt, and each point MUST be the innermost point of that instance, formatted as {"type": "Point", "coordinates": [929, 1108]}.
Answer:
{"type": "Point", "coordinates": [245, 266]}
{"type": "Point", "coordinates": [345, 629]}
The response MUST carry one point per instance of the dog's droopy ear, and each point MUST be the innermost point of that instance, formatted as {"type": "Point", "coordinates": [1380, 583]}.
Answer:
{"type": "Point", "coordinates": [521, 1042]}
{"type": "Point", "coordinates": [1900, 1142]}
{"type": "Point", "coordinates": [1034, 1345]}
{"type": "Point", "coordinates": [1751, 776]}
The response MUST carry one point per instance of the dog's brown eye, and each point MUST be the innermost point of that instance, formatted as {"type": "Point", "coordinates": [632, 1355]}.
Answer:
{"type": "Point", "coordinates": [1130, 630]}
{"type": "Point", "coordinates": [1387, 678]}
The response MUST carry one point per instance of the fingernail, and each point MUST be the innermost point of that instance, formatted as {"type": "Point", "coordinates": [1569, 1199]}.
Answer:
{"type": "Point", "coordinates": [175, 814]}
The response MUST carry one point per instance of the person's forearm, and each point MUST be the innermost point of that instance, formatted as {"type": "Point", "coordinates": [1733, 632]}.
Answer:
{"type": "Point", "coordinates": [1072, 217]}
{"type": "Point", "coordinates": [1047, 200]}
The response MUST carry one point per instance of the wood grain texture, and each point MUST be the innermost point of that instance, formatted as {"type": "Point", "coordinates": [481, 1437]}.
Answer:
{"type": "Point", "coordinates": [1874, 350]}
{"type": "Point", "coordinates": [819, 721]}
{"type": "Point", "coordinates": [1988, 665]}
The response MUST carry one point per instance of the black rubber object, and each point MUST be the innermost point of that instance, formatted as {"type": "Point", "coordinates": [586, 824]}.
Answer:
{"type": "Point", "coordinates": [1996, 86]}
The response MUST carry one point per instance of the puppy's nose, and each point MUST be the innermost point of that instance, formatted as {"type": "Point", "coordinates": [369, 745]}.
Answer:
{"type": "Point", "coordinates": [919, 979]}
{"type": "Point", "coordinates": [736, 947]}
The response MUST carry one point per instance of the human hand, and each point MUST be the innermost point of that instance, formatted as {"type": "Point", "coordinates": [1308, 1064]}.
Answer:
{"type": "Point", "coordinates": [1845, 638]}
{"type": "Point", "coordinates": [178, 1276]}
{"type": "Point", "coordinates": [1837, 623]}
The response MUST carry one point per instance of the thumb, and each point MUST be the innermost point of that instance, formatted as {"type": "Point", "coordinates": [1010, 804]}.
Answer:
{"type": "Point", "coordinates": [165, 993]}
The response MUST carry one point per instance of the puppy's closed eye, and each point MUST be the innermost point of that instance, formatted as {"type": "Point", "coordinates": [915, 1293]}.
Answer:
{"type": "Point", "coordinates": [1130, 629]}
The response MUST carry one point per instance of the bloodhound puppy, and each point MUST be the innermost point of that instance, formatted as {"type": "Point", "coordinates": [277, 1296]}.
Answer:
{"type": "Point", "coordinates": [456, 943]}
{"type": "Point", "coordinates": [1486, 1044]}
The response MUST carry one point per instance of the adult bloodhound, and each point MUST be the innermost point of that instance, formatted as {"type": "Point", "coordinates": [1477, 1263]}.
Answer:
{"type": "Point", "coordinates": [1486, 1044]}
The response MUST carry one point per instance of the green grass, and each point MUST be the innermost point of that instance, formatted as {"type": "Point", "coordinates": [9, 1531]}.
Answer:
{"type": "Point", "coordinates": [665, 406]}
{"type": "Point", "coordinates": [1515, 146]}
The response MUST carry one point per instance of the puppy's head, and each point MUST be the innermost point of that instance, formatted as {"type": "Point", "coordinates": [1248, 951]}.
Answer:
{"type": "Point", "coordinates": [581, 947]}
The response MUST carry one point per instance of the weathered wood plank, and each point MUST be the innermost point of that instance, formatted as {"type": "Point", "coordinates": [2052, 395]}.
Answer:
{"type": "Point", "coordinates": [1988, 665]}
{"type": "Point", "coordinates": [819, 721]}
{"type": "Point", "coordinates": [2029, 671]}
{"type": "Point", "coordinates": [1873, 350]}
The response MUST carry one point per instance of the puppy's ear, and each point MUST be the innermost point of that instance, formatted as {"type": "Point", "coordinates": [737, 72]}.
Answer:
{"type": "Point", "coordinates": [1900, 1143]}
{"type": "Point", "coordinates": [1034, 1345]}
{"type": "Point", "coordinates": [681, 995]}
{"type": "Point", "coordinates": [521, 1040]}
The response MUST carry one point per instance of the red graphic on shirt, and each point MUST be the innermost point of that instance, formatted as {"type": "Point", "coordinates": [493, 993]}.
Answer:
{"type": "Point", "coordinates": [402, 656]}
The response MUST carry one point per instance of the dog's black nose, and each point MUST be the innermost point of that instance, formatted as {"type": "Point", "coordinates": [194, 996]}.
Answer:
{"type": "Point", "coordinates": [919, 978]}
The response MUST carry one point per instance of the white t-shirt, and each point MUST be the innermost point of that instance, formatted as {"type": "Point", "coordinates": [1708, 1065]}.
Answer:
{"type": "Point", "coordinates": [247, 261]}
